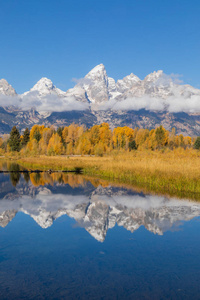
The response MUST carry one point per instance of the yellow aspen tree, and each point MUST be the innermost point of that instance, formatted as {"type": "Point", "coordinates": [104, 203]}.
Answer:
{"type": "Point", "coordinates": [55, 145]}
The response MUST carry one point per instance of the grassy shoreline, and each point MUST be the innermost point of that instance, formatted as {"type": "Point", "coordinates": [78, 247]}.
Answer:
{"type": "Point", "coordinates": [174, 173]}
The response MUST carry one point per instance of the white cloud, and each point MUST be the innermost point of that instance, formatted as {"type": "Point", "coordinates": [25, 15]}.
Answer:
{"type": "Point", "coordinates": [139, 103]}
{"type": "Point", "coordinates": [171, 104]}
{"type": "Point", "coordinates": [9, 100]}
{"type": "Point", "coordinates": [181, 104]}
{"type": "Point", "coordinates": [187, 102]}
{"type": "Point", "coordinates": [166, 80]}
{"type": "Point", "coordinates": [47, 103]}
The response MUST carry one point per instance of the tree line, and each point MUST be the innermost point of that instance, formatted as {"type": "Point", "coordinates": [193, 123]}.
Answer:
{"type": "Point", "coordinates": [97, 140]}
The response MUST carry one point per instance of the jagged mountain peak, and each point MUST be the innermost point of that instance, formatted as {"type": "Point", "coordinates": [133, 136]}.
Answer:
{"type": "Point", "coordinates": [95, 83]}
{"type": "Point", "coordinates": [98, 69]}
{"type": "Point", "coordinates": [6, 88]}
{"type": "Point", "coordinates": [154, 76]}
{"type": "Point", "coordinates": [133, 76]}
{"type": "Point", "coordinates": [43, 83]}
{"type": "Point", "coordinates": [127, 82]}
{"type": "Point", "coordinates": [45, 87]}
{"type": "Point", "coordinates": [97, 73]}
{"type": "Point", "coordinates": [4, 81]}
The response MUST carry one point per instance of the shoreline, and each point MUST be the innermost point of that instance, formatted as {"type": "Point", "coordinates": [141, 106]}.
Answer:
{"type": "Point", "coordinates": [163, 173]}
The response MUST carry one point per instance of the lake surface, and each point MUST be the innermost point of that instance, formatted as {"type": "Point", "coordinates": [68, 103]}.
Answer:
{"type": "Point", "coordinates": [65, 236]}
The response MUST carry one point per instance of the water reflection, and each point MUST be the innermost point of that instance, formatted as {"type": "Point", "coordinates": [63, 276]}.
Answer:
{"type": "Point", "coordinates": [95, 205]}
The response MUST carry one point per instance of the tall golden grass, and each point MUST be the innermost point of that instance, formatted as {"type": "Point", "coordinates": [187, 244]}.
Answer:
{"type": "Point", "coordinates": [174, 172]}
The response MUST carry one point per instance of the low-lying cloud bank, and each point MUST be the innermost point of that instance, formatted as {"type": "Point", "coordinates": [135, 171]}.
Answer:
{"type": "Point", "coordinates": [171, 104]}
{"type": "Point", "coordinates": [53, 103]}
{"type": "Point", "coordinates": [50, 103]}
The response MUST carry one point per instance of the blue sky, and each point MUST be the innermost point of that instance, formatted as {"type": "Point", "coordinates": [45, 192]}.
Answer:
{"type": "Point", "coordinates": [64, 39]}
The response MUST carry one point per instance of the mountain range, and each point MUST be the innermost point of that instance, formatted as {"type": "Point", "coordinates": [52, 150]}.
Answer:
{"type": "Point", "coordinates": [96, 98]}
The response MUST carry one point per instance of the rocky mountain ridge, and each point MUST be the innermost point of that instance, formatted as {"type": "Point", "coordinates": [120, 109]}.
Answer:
{"type": "Point", "coordinates": [157, 99]}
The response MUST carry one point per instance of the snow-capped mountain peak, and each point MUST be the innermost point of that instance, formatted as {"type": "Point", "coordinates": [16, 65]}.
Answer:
{"type": "Point", "coordinates": [153, 77]}
{"type": "Point", "coordinates": [95, 83]}
{"type": "Point", "coordinates": [97, 74]}
{"type": "Point", "coordinates": [45, 87]}
{"type": "Point", "coordinates": [99, 69]}
{"type": "Point", "coordinates": [6, 88]}
{"type": "Point", "coordinates": [127, 82]}
{"type": "Point", "coordinates": [44, 84]}
{"type": "Point", "coordinates": [105, 100]}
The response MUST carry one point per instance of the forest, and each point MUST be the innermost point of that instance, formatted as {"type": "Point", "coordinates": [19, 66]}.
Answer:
{"type": "Point", "coordinates": [97, 140]}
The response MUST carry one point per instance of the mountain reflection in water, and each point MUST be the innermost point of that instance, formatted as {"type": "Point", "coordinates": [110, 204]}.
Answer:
{"type": "Point", "coordinates": [94, 204]}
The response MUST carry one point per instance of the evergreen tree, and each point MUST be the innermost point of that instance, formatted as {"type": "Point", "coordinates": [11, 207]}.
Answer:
{"type": "Point", "coordinates": [14, 140]}
{"type": "Point", "coordinates": [60, 130]}
{"type": "Point", "coordinates": [26, 137]}
{"type": "Point", "coordinates": [37, 136]}
{"type": "Point", "coordinates": [197, 143]}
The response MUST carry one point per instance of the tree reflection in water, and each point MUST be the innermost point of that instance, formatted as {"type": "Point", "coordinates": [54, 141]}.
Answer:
{"type": "Point", "coordinates": [15, 175]}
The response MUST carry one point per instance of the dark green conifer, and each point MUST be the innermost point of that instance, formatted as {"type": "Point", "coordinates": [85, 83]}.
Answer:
{"type": "Point", "coordinates": [26, 137]}
{"type": "Point", "coordinates": [14, 140]}
{"type": "Point", "coordinates": [37, 135]}
{"type": "Point", "coordinates": [60, 130]}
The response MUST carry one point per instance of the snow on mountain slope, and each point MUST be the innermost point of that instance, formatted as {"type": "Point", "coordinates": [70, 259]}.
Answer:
{"type": "Point", "coordinates": [153, 77]}
{"type": "Point", "coordinates": [45, 87]}
{"type": "Point", "coordinates": [101, 89]}
{"type": "Point", "coordinates": [6, 88]}
{"type": "Point", "coordinates": [116, 102]}
{"type": "Point", "coordinates": [127, 82]}
{"type": "Point", "coordinates": [78, 93]}
{"type": "Point", "coordinates": [95, 84]}
{"type": "Point", "coordinates": [97, 88]}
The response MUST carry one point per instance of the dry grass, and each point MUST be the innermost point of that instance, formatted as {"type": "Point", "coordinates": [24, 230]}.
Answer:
{"type": "Point", "coordinates": [171, 172]}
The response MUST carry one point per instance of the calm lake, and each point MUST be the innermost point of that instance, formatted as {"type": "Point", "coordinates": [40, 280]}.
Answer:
{"type": "Point", "coordinates": [65, 236]}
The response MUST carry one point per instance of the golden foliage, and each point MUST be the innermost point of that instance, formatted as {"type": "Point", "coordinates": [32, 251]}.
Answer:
{"type": "Point", "coordinates": [99, 140]}
{"type": "Point", "coordinates": [55, 145]}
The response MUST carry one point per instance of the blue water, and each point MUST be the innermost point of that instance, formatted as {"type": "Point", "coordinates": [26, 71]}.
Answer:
{"type": "Point", "coordinates": [74, 240]}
